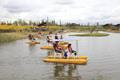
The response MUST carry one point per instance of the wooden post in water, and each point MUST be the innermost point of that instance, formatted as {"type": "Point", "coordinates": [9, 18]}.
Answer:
{"type": "Point", "coordinates": [77, 46]}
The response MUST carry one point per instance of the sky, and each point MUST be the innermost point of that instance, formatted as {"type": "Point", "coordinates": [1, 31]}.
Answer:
{"type": "Point", "coordinates": [78, 11]}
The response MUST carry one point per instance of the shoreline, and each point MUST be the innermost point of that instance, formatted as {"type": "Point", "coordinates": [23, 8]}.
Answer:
{"type": "Point", "coordinates": [13, 36]}
{"type": "Point", "coordinates": [9, 37]}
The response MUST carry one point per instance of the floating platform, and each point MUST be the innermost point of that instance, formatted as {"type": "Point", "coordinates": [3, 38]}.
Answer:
{"type": "Point", "coordinates": [33, 43]}
{"type": "Point", "coordinates": [51, 47]}
{"type": "Point", "coordinates": [82, 60]}
{"type": "Point", "coordinates": [63, 43]}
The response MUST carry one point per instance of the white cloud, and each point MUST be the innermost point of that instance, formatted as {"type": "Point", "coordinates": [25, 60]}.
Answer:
{"type": "Point", "coordinates": [103, 11]}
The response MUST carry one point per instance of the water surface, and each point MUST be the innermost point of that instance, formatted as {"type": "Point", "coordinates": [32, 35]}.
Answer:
{"type": "Point", "coordinates": [19, 61]}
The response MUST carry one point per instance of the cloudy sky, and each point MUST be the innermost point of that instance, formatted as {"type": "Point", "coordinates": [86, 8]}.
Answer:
{"type": "Point", "coordinates": [80, 11]}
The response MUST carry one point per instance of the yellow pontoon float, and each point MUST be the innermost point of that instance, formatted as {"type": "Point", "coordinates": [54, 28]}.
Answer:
{"type": "Point", "coordinates": [33, 43]}
{"type": "Point", "coordinates": [63, 43]}
{"type": "Point", "coordinates": [51, 47]}
{"type": "Point", "coordinates": [82, 60]}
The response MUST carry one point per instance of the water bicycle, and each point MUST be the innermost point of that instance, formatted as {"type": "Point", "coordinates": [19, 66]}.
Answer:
{"type": "Point", "coordinates": [33, 42]}
{"type": "Point", "coordinates": [81, 60]}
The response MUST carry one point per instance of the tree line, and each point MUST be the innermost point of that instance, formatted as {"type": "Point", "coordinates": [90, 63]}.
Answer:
{"type": "Point", "coordinates": [47, 22]}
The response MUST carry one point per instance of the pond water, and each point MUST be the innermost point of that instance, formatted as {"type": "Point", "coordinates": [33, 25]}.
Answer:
{"type": "Point", "coordinates": [20, 61]}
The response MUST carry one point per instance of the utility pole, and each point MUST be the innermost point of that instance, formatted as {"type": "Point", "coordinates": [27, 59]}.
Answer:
{"type": "Point", "coordinates": [60, 22]}
{"type": "Point", "coordinates": [97, 26]}
{"type": "Point", "coordinates": [47, 23]}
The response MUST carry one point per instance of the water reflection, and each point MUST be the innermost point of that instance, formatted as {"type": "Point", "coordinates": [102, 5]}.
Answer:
{"type": "Point", "coordinates": [66, 72]}
{"type": "Point", "coordinates": [50, 53]}
{"type": "Point", "coordinates": [31, 48]}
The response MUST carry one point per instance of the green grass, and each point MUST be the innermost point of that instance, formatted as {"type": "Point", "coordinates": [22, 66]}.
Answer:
{"type": "Point", "coordinates": [14, 27]}
{"type": "Point", "coordinates": [92, 34]}
{"type": "Point", "coordinates": [8, 37]}
{"type": "Point", "coordinates": [12, 36]}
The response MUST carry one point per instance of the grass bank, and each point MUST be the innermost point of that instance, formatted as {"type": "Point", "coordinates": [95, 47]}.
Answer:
{"type": "Point", "coordinates": [10, 33]}
{"type": "Point", "coordinates": [92, 34]}
{"type": "Point", "coordinates": [8, 37]}
{"type": "Point", "coordinates": [14, 28]}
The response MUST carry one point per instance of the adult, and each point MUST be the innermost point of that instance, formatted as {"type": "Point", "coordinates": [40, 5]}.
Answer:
{"type": "Point", "coordinates": [56, 36]}
{"type": "Point", "coordinates": [30, 37]}
{"type": "Point", "coordinates": [49, 38]}
{"type": "Point", "coordinates": [58, 49]}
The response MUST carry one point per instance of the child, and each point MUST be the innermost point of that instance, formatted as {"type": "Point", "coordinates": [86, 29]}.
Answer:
{"type": "Point", "coordinates": [70, 51]}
